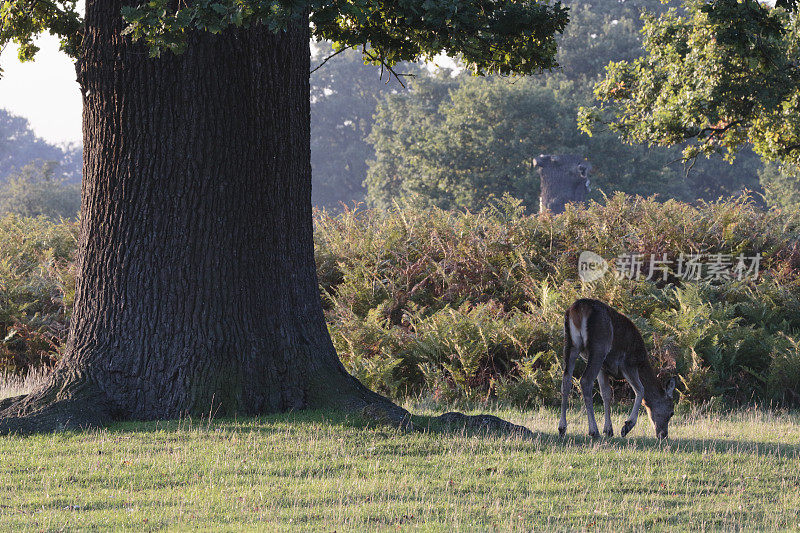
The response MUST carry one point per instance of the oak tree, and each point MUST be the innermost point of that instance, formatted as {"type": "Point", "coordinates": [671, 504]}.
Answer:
{"type": "Point", "coordinates": [197, 291]}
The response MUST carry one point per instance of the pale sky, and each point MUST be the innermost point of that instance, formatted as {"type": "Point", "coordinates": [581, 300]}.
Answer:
{"type": "Point", "coordinates": [44, 91]}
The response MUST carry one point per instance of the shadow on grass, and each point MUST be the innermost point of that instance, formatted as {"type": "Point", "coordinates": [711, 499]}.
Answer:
{"type": "Point", "coordinates": [435, 425]}
{"type": "Point", "coordinates": [728, 446]}
{"type": "Point", "coordinates": [264, 424]}
{"type": "Point", "coordinates": [449, 424]}
{"type": "Point", "coordinates": [684, 445]}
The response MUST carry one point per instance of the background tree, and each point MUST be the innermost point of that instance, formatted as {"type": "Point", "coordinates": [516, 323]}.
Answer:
{"type": "Point", "coordinates": [344, 93]}
{"type": "Point", "coordinates": [19, 146]}
{"type": "Point", "coordinates": [453, 142]}
{"type": "Point", "coordinates": [400, 134]}
{"type": "Point", "coordinates": [456, 143]}
{"type": "Point", "coordinates": [37, 189]}
{"type": "Point", "coordinates": [781, 185]}
{"type": "Point", "coordinates": [197, 290]}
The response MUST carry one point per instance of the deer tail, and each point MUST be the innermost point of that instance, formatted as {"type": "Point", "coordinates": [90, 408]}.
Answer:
{"type": "Point", "coordinates": [575, 324]}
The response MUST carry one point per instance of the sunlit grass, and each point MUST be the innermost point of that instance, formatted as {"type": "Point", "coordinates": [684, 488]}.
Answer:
{"type": "Point", "coordinates": [320, 471]}
{"type": "Point", "coordinates": [16, 385]}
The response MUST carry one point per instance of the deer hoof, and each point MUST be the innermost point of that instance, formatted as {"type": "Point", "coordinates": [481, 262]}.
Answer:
{"type": "Point", "coordinates": [608, 432]}
{"type": "Point", "coordinates": [562, 431]}
{"type": "Point", "coordinates": [627, 428]}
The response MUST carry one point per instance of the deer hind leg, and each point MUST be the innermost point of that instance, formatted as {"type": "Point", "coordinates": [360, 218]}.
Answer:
{"type": "Point", "coordinates": [594, 364]}
{"type": "Point", "coordinates": [571, 352]}
{"type": "Point", "coordinates": [632, 377]}
{"type": "Point", "coordinates": [605, 392]}
{"type": "Point", "coordinates": [598, 344]}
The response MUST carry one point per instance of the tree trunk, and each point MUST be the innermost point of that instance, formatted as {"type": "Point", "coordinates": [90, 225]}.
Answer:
{"type": "Point", "coordinates": [564, 179]}
{"type": "Point", "coordinates": [197, 290]}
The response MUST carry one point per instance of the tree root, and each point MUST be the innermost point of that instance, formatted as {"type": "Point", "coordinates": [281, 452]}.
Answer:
{"type": "Point", "coordinates": [8, 402]}
{"type": "Point", "coordinates": [58, 416]}
{"type": "Point", "coordinates": [484, 423]}
{"type": "Point", "coordinates": [392, 415]}
{"type": "Point", "coordinates": [61, 404]}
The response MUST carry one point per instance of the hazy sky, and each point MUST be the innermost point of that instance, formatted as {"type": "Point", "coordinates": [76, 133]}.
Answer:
{"type": "Point", "coordinates": [43, 91]}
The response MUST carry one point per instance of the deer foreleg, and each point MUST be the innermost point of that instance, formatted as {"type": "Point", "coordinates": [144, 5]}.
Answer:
{"type": "Point", "coordinates": [636, 384]}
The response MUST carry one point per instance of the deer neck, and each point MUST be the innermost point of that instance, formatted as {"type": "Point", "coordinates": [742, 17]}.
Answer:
{"type": "Point", "coordinates": [652, 388]}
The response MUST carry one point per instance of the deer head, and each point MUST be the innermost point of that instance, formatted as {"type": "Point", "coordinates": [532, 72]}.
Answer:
{"type": "Point", "coordinates": [661, 409]}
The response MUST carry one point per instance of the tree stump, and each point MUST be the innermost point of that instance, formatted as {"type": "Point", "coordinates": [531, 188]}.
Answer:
{"type": "Point", "coordinates": [564, 179]}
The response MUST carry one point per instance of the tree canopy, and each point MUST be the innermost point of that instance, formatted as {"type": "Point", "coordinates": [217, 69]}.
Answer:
{"type": "Point", "coordinates": [723, 75]}
{"type": "Point", "coordinates": [492, 36]}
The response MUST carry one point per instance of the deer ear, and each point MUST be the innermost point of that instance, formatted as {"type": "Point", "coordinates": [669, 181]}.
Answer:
{"type": "Point", "coordinates": [670, 388]}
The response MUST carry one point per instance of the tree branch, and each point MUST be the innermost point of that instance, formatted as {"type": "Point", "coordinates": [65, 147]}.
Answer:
{"type": "Point", "coordinates": [336, 53]}
{"type": "Point", "coordinates": [385, 65]}
{"type": "Point", "coordinates": [717, 131]}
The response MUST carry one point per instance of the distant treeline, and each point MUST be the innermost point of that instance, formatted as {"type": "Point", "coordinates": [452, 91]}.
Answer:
{"type": "Point", "coordinates": [19, 147]}
{"type": "Point", "coordinates": [36, 178]}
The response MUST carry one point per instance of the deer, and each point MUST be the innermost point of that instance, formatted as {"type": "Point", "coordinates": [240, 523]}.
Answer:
{"type": "Point", "coordinates": [612, 346]}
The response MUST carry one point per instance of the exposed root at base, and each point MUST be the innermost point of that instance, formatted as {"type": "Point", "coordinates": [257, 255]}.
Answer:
{"type": "Point", "coordinates": [371, 406]}
{"type": "Point", "coordinates": [5, 403]}
{"type": "Point", "coordinates": [54, 408]}
{"type": "Point", "coordinates": [396, 416]}
{"type": "Point", "coordinates": [59, 416]}
{"type": "Point", "coordinates": [392, 415]}
{"type": "Point", "coordinates": [487, 423]}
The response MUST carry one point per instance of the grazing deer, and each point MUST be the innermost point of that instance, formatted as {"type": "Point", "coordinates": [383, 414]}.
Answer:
{"type": "Point", "coordinates": [611, 346]}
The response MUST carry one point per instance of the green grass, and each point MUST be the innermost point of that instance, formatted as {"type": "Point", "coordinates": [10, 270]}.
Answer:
{"type": "Point", "coordinates": [318, 471]}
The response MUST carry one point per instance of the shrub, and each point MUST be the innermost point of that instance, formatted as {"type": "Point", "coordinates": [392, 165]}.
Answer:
{"type": "Point", "coordinates": [468, 307]}
{"type": "Point", "coordinates": [37, 287]}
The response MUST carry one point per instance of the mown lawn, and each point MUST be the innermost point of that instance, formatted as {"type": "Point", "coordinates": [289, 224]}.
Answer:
{"type": "Point", "coordinates": [316, 471]}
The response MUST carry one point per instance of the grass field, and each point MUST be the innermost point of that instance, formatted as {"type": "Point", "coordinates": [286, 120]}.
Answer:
{"type": "Point", "coordinates": [316, 471]}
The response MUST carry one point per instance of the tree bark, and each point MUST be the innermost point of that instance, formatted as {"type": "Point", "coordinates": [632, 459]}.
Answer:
{"type": "Point", "coordinates": [197, 290]}
{"type": "Point", "coordinates": [564, 179]}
